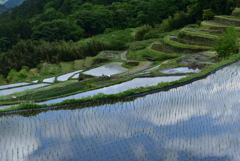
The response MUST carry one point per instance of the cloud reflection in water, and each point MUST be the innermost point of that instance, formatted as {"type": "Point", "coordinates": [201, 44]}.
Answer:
{"type": "Point", "coordinates": [197, 121]}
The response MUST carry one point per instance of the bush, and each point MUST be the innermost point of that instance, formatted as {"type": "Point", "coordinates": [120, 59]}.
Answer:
{"type": "Point", "coordinates": [139, 35]}
{"type": "Point", "coordinates": [180, 19]}
{"type": "Point", "coordinates": [227, 45]}
{"type": "Point", "coordinates": [152, 34]}
{"type": "Point", "coordinates": [14, 76]}
{"type": "Point", "coordinates": [138, 45]}
{"type": "Point", "coordinates": [208, 14]}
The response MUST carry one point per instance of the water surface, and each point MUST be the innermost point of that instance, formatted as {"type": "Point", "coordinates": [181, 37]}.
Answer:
{"type": "Point", "coordinates": [107, 69]}
{"type": "Point", "coordinates": [12, 85]}
{"type": "Point", "coordinates": [20, 89]}
{"type": "Point", "coordinates": [180, 70]}
{"type": "Point", "coordinates": [67, 76]}
{"type": "Point", "coordinates": [49, 80]}
{"type": "Point", "coordinates": [198, 121]}
{"type": "Point", "coordinates": [135, 83]}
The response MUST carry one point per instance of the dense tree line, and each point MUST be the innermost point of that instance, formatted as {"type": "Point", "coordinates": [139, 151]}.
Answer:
{"type": "Point", "coordinates": [73, 19]}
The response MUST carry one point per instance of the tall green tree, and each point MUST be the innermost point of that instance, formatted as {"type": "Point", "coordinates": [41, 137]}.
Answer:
{"type": "Point", "coordinates": [61, 29]}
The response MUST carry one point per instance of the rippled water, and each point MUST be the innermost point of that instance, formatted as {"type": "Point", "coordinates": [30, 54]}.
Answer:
{"type": "Point", "coordinates": [199, 121]}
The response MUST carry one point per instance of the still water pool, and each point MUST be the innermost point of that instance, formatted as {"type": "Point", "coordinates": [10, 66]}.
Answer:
{"type": "Point", "coordinates": [107, 69]}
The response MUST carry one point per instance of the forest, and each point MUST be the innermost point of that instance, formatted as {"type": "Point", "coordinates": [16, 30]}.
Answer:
{"type": "Point", "coordinates": [43, 30]}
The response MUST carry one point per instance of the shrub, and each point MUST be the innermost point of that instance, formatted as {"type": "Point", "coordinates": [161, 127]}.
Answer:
{"type": "Point", "coordinates": [152, 34]}
{"type": "Point", "coordinates": [227, 45]}
{"type": "Point", "coordinates": [208, 14]}
{"type": "Point", "coordinates": [139, 35]}
{"type": "Point", "coordinates": [138, 45]}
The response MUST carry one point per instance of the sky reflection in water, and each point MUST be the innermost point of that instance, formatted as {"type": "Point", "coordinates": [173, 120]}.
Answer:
{"type": "Point", "coordinates": [107, 69]}
{"type": "Point", "coordinates": [199, 121]}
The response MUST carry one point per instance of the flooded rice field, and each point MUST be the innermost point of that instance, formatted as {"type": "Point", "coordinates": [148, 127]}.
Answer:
{"type": "Point", "coordinates": [66, 76]}
{"type": "Point", "coordinates": [75, 76]}
{"type": "Point", "coordinates": [49, 80]}
{"type": "Point", "coordinates": [107, 69]}
{"type": "Point", "coordinates": [12, 85]}
{"type": "Point", "coordinates": [198, 121]}
{"type": "Point", "coordinates": [20, 89]}
{"type": "Point", "coordinates": [179, 70]}
{"type": "Point", "coordinates": [135, 83]}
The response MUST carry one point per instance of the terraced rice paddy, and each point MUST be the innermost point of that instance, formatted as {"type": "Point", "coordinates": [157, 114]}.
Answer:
{"type": "Point", "coordinates": [199, 121]}
{"type": "Point", "coordinates": [20, 89]}
{"type": "Point", "coordinates": [135, 83]}
{"type": "Point", "coordinates": [179, 70]}
{"type": "Point", "coordinates": [67, 76]}
{"type": "Point", "coordinates": [12, 85]}
{"type": "Point", "coordinates": [107, 69]}
{"type": "Point", "coordinates": [49, 80]}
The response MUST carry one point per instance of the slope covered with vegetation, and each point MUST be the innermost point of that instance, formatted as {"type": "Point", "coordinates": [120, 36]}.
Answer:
{"type": "Point", "coordinates": [25, 28]}
{"type": "Point", "coordinates": [59, 31]}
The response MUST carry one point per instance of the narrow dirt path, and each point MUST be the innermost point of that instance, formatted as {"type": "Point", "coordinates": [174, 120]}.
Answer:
{"type": "Point", "coordinates": [137, 69]}
{"type": "Point", "coordinates": [123, 55]}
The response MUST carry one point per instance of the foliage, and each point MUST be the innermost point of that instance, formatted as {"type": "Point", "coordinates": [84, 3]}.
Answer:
{"type": "Point", "coordinates": [179, 20]}
{"type": "Point", "coordinates": [47, 31]}
{"type": "Point", "coordinates": [227, 43]}
{"type": "Point", "coordinates": [61, 29]}
{"type": "Point", "coordinates": [31, 53]}
{"type": "Point", "coordinates": [116, 40]}
{"type": "Point", "coordinates": [14, 76]}
{"type": "Point", "coordinates": [208, 14]}
{"type": "Point", "coordinates": [138, 45]}
{"type": "Point", "coordinates": [140, 33]}
{"type": "Point", "coordinates": [219, 7]}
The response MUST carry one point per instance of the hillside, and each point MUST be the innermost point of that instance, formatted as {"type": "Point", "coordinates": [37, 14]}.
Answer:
{"type": "Point", "coordinates": [28, 31]}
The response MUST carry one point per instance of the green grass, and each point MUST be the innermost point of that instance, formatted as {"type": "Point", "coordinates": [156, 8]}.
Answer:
{"type": "Point", "coordinates": [160, 48]}
{"type": "Point", "coordinates": [50, 69]}
{"type": "Point", "coordinates": [138, 45]}
{"type": "Point", "coordinates": [209, 25]}
{"type": "Point", "coordinates": [149, 52]}
{"type": "Point", "coordinates": [228, 18]}
{"type": "Point", "coordinates": [88, 61]}
{"type": "Point", "coordinates": [237, 10]}
{"type": "Point", "coordinates": [66, 66]}
{"type": "Point", "coordinates": [124, 36]}
{"type": "Point", "coordinates": [78, 64]}
{"type": "Point", "coordinates": [197, 34]}
{"type": "Point", "coordinates": [174, 45]}
{"type": "Point", "coordinates": [45, 88]}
